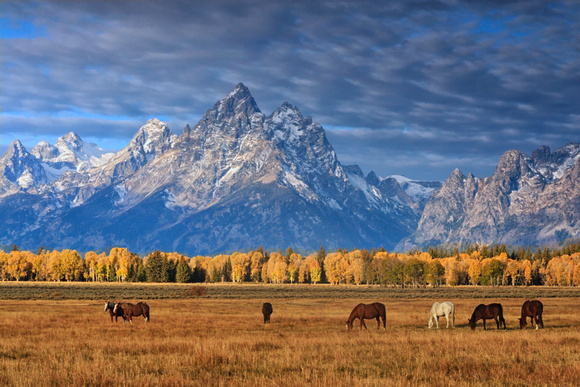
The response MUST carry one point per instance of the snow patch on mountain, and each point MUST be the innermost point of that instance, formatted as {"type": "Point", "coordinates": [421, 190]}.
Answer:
{"type": "Point", "coordinates": [417, 190]}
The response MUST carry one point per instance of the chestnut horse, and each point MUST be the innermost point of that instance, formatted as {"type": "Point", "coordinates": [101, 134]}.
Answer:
{"type": "Point", "coordinates": [267, 311]}
{"type": "Point", "coordinates": [370, 311]}
{"type": "Point", "coordinates": [484, 312]}
{"type": "Point", "coordinates": [140, 309]}
{"type": "Point", "coordinates": [110, 306]}
{"type": "Point", "coordinates": [534, 310]}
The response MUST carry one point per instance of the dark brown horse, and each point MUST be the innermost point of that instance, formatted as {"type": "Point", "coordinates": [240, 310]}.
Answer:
{"type": "Point", "coordinates": [534, 310]}
{"type": "Point", "coordinates": [267, 311]}
{"type": "Point", "coordinates": [370, 311]}
{"type": "Point", "coordinates": [110, 306]}
{"type": "Point", "coordinates": [485, 312]}
{"type": "Point", "coordinates": [130, 310]}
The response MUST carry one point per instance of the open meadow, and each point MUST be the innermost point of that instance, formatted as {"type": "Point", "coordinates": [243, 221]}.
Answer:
{"type": "Point", "coordinates": [222, 341]}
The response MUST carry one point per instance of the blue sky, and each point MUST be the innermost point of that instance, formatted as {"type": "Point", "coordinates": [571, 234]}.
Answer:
{"type": "Point", "coordinates": [417, 88]}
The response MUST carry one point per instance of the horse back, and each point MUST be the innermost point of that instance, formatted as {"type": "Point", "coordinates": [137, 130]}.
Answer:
{"type": "Point", "coordinates": [483, 311]}
{"type": "Point", "coordinates": [532, 308]}
{"type": "Point", "coordinates": [267, 308]}
{"type": "Point", "coordinates": [144, 307]}
{"type": "Point", "coordinates": [376, 309]}
{"type": "Point", "coordinates": [380, 308]}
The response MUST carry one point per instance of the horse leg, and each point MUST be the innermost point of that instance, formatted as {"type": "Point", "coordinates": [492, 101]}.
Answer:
{"type": "Point", "coordinates": [362, 323]}
{"type": "Point", "coordinates": [497, 321]}
{"type": "Point", "coordinates": [447, 319]}
{"type": "Point", "coordinates": [437, 321]}
{"type": "Point", "coordinates": [378, 322]}
{"type": "Point", "coordinates": [484, 328]}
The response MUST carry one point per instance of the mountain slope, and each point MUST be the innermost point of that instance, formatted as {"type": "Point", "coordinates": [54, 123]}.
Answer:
{"type": "Point", "coordinates": [236, 180]}
{"type": "Point", "coordinates": [528, 200]}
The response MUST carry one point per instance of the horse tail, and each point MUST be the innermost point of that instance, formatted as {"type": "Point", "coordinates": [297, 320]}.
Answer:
{"type": "Point", "coordinates": [145, 310]}
{"type": "Point", "coordinates": [453, 310]}
{"type": "Point", "coordinates": [539, 313]}
{"type": "Point", "coordinates": [501, 319]}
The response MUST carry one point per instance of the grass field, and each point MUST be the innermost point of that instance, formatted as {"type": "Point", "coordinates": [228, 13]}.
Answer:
{"type": "Point", "coordinates": [222, 341]}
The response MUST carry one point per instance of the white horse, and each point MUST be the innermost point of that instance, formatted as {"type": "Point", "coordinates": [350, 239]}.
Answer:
{"type": "Point", "coordinates": [442, 309]}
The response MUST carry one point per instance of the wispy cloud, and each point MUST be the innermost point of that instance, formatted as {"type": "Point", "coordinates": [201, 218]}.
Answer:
{"type": "Point", "coordinates": [428, 80]}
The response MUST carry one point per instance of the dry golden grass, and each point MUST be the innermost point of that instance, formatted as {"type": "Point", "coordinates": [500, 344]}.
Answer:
{"type": "Point", "coordinates": [224, 342]}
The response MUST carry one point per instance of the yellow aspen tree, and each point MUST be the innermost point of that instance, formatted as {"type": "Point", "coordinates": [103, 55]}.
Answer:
{"type": "Point", "coordinates": [18, 266]}
{"type": "Point", "coordinates": [527, 271]}
{"type": "Point", "coordinates": [576, 275]}
{"type": "Point", "coordinates": [512, 271]}
{"type": "Point", "coordinates": [331, 265]}
{"type": "Point", "coordinates": [280, 270]}
{"type": "Point", "coordinates": [70, 264]}
{"type": "Point", "coordinates": [256, 261]}
{"type": "Point", "coordinates": [474, 272]}
{"type": "Point", "coordinates": [3, 265]}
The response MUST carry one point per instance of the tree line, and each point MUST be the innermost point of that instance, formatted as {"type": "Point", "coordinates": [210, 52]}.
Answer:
{"type": "Point", "coordinates": [488, 265]}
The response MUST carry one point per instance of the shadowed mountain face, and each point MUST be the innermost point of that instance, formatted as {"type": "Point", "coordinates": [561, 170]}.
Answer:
{"type": "Point", "coordinates": [238, 179]}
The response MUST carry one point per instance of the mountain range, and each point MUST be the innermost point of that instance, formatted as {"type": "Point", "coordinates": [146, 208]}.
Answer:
{"type": "Point", "coordinates": [240, 179]}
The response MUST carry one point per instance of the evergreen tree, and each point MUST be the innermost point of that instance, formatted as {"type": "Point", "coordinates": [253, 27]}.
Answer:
{"type": "Point", "coordinates": [183, 272]}
{"type": "Point", "coordinates": [366, 256]}
{"type": "Point", "coordinates": [156, 267]}
{"type": "Point", "coordinates": [289, 253]}
{"type": "Point", "coordinates": [321, 255]}
{"type": "Point", "coordinates": [320, 258]}
{"type": "Point", "coordinates": [227, 271]}
{"type": "Point", "coordinates": [141, 272]}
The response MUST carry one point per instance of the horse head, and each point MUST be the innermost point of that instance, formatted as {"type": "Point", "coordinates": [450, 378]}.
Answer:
{"type": "Point", "coordinates": [109, 305]}
{"type": "Point", "coordinates": [430, 322]}
{"type": "Point", "coordinates": [523, 323]}
{"type": "Point", "coordinates": [471, 323]}
{"type": "Point", "coordinates": [349, 325]}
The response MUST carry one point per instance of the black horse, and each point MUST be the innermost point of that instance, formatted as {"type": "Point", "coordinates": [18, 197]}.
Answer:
{"type": "Point", "coordinates": [267, 311]}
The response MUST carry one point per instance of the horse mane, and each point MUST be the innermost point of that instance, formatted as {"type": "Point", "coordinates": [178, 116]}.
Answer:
{"type": "Point", "coordinates": [476, 309]}
{"type": "Point", "coordinates": [355, 312]}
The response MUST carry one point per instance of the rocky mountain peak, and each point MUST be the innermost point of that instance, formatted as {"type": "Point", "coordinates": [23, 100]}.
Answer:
{"type": "Point", "coordinates": [20, 168]}
{"type": "Point", "coordinates": [238, 103]}
{"type": "Point", "coordinates": [72, 139]}
{"type": "Point", "coordinates": [15, 150]}
{"type": "Point", "coordinates": [152, 138]}
{"type": "Point", "coordinates": [541, 155]}
{"type": "Point", "coordinates": [45, 151]}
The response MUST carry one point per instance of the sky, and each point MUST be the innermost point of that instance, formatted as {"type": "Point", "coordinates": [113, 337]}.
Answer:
{"type": "Point", "coordinates": [415, 88]}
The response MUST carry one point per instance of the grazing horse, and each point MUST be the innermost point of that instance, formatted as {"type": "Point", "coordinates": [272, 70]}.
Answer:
{"type": "Point", "coordinates": [110, 306]}
{"type": "Point", "coordinates": [370, 311]}
{"type": "Point", "coordinates": [267, 311]}
{"type": "Point", "coordinates": [485, 312]}
{"type": "Point", "coordinates": [140, 309]}
{"type": "Point", "coordinates": [442, 309]}
{"type": "Point", "coordinates": [534, 310]}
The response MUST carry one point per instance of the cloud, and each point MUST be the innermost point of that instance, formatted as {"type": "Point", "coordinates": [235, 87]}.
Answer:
{"type": "Point", "coordinates": [468, 80]}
